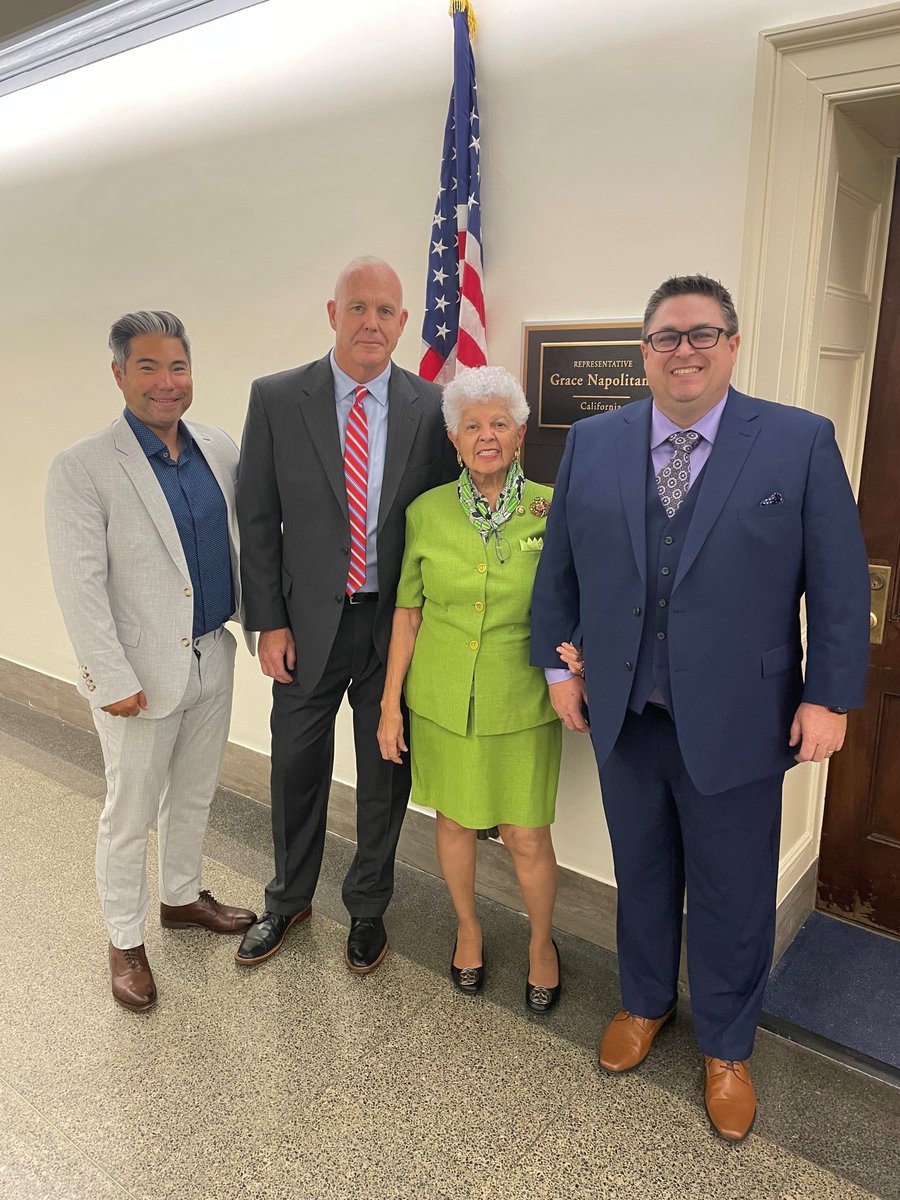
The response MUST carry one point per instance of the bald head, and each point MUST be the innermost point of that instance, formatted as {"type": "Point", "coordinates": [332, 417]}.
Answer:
{"type": "Point", "coordinates": [367, 316]}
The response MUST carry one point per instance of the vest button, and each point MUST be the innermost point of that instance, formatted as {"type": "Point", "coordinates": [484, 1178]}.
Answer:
{"type": "Point", "coordinates": [473, 645]}
{"type": "Point", "coordinates": [663, 602]}
{"type": "Point", "coordinates": [479, 607]}
{"type": "Point", "coordinates": [664, 571]}
{"type": "Point", "coordinates": [627, 665]}
{"type": "Point", "coordinates": [482, 567]}
{"type": "Point", "coordinates": [668, 539]}
{"type": "Point", "coordinates": [636, 611]}
{"type": "Point", "coordinates": [660, 637]}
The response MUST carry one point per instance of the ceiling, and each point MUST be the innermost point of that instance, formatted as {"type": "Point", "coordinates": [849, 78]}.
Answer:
{"type": "Point", "coordinates": [18, 16]}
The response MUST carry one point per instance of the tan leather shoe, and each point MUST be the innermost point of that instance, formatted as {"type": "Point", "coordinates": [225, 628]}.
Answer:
{"type": "Point", "coordinates": [131, 977]}
{"type": "Point", "coordinates": [730, 1098]}
{"type": "Point", "coordinates": [628, 1038]}
{"type": "Point", "coordinates": [207, 912]}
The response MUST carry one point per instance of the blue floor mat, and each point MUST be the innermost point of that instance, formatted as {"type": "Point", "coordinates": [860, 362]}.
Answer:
{"type": "Point", "coordinates": [842, 982]}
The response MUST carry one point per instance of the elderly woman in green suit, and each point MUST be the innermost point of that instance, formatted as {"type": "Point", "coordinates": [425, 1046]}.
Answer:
{"type": "Point", "coordinates": [486, 741]}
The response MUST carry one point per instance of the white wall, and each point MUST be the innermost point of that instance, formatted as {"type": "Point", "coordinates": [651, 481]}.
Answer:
{"type": "Point", "coordinates": [228, 172]}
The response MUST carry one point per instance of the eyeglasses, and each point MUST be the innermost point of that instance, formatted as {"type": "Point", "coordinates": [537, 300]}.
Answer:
{"type": "Point", "coordinates": [703, 337]}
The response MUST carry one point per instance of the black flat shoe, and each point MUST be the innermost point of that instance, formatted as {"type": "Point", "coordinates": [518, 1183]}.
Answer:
{"type": "Point", "coordinates": [265, 936]}
{"type": "Point", "coordinates": [366, 945]}
{"type": "Point", "coordinates": [541, 999]}
{"type": "Point", "coordinates": [468, 979]}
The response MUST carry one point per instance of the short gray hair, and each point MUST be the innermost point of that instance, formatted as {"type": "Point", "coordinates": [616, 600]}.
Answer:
{"type": "Point", "coordinates": [135, 324]}
{"type": "Point", "coordinates": [479, 385]}
{"type": "Point", "coordinates": [363, 262]}
{"type": "Point", "coordinates": [694, 285]}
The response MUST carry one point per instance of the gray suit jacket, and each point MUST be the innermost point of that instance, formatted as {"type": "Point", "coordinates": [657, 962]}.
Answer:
{"type": "Point", "coordinates": [292, 503]}
{"type": "Point", "coordinates": [118, 568]}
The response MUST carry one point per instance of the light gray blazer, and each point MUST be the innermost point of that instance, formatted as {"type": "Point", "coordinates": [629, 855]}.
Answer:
{"type": "Point", "coordinates": [118, 568]}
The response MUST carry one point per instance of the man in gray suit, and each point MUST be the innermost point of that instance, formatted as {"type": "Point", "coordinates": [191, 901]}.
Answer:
{"type": "Point", "coordinates": [143, 550]}
{"type": "Point", "coordinates": [333, 453]}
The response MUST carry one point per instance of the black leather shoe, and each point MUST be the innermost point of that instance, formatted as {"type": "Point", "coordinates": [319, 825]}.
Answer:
{"type": "Point", "coordinates": [540, 999]}
{"type": "Point", "coordinates": [265, 936]}
{"type": "Point", "coordinates": [366, 945]}
{"type": "Point", "coordinates": [468, 979]}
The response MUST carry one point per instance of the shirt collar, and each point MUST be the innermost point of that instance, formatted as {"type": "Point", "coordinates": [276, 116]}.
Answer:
{"type": "Point", "coordinates": [151, 443]}
{"type": "Point", "coordinates": [345, 386]}
{"type": "Point", "coordinates": [708, 425]}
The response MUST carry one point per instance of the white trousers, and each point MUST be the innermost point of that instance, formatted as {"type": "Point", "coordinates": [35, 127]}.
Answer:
{"type": "Point", "coordinates": [164, 772]}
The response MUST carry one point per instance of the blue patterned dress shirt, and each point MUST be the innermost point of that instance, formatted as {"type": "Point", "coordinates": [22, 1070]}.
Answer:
{"type": "Point", "coordinates": [201, 518]}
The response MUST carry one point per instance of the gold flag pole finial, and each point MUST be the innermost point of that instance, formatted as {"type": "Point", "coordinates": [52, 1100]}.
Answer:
{"type": "Point", "coordinates": [463, 6]}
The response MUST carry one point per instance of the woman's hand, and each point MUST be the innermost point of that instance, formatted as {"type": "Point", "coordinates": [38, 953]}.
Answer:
{"type": "Point", "coordinates": [572, 657]}
{"type": "Point", "coordinates": [390, 735]}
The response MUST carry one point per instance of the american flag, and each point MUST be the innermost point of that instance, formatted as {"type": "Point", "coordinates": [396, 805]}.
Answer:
{"type": "Point", "coordinates": [453, 331]}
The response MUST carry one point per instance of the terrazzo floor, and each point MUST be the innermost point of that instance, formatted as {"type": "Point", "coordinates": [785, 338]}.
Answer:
{"type": "Point", "coordinates": [298, 1080]}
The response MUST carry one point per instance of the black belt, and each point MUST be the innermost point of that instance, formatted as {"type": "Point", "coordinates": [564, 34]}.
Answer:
{"type": "Point", "coordinates": [360, 598]}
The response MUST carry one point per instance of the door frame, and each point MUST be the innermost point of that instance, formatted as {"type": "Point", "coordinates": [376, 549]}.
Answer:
{"type": "Point", "coordinates": [804, 72]}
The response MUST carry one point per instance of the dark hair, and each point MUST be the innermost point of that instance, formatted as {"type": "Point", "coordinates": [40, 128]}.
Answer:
{"type": "Point", "coordinates": [135, 324]}
{"type": "Point", "coordinates": [693, 285]}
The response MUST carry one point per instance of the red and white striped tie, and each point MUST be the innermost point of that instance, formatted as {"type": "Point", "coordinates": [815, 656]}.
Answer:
{"type": "Point", "coordinates": [356, 476]}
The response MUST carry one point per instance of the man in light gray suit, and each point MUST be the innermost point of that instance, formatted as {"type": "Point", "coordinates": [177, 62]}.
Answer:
{"type": "Point", "coordinates": [333, 453]}
{"type": "Point", "coordinates": [142, 536]}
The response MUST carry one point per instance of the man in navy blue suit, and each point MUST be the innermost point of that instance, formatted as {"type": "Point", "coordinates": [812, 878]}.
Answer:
{"type": "Point", "coordinates": [684, 532]}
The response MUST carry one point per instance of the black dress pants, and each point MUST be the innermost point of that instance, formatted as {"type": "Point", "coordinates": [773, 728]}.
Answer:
{"type": "Point", "coordinates": [302, 761]}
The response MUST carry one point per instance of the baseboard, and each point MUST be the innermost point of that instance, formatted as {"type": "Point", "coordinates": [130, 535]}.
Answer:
{"type": "Point", "coordinates": [585, 907]}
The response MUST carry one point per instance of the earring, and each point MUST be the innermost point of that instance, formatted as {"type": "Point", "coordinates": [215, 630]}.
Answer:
{"type": "Point", "coordinates": [517, 453]}
{"type": "Point", "coordinates": [459, 459]}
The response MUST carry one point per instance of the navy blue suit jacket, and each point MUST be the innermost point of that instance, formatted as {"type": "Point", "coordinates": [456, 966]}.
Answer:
{"type": "Point", "coordinates": [734, 643]}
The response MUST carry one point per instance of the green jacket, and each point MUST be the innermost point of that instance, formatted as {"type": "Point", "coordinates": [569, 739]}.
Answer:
{"type": "Point", "coordinates": [474, 638]}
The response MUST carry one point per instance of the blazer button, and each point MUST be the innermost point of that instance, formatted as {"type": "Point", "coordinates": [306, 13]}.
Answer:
{"type": "Point", "coordinates": [188, 592]}
{"type": "Point", "coordinates": [473, 645]}
{"type": "Point", "coordinates": [482, 567]}
{"type": "Point", "coordinates": [664, 570]}
{"type": "Point", "coordinates": [627, 665]}
{"type": "Point", "coordinates": [185, 642]}
{"type": "Point", "coordinates": [668, 539]}
{"type": "Point", "coordinates": [479, 607]}
{"type": "Point", "coordinates": [636, 611]}
{"type": "Point", "coordinates": [660, 637]}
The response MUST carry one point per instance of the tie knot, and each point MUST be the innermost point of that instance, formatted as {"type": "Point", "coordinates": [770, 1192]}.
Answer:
{"type": "Point", "coordinates": [685, 440]}
{"type": "Point", "coordinates": [361, 393]}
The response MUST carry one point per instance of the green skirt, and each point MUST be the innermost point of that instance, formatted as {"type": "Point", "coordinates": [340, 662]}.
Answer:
{"type": "Point", "coordinates": [504, 779]}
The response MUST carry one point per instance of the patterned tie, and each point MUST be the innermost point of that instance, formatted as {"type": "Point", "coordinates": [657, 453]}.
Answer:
{"type": "Point", "coordinates": [674, 479]}
{"type": "Point", "coordinates": [356, 476]}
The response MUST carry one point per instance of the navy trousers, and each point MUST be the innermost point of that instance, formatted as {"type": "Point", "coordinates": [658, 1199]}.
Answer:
{"type": "Point", "coordinates": [723, 849]}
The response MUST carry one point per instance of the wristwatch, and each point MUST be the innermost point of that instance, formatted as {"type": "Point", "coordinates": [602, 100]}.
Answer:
{"type": "Point", "coordinates": [837, 709]}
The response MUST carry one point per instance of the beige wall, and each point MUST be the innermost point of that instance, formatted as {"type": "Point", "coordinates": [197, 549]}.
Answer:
{"type": "Point", "coordinates": [227, 173]}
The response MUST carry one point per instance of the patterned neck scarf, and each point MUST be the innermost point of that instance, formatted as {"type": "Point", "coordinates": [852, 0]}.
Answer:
{"type": "Point", "coordinates": [487, 520]}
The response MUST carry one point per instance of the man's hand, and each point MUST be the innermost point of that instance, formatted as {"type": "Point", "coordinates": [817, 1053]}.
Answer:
{"type": "Point", "coordinates": [277, 654]}
{"type": "Point", "coordinates": [129, 707]}
{"type": "Point", "coordinates": [390, 736]}
{"type": "Point", "coordinates": [569, 699]}
{"type": "Point", "coordinates": [819, 732]}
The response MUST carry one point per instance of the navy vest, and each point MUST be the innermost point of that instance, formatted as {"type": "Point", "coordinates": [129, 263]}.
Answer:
{"type": "Point", "coordinates": [665, 539]}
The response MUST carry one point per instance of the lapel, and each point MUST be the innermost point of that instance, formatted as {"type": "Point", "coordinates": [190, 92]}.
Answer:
{"type": "Point", "coordinates": [737, 432]}
{"type": "Point", "coordinates": [225, 479]}
{"type": "Point", "coordinates": [633, 448]}
{"type": "Point", "coordinates": [404, 414]}
{"type": "Point", "coordinates": [317, 408]}
{"type": "Point", "coordinates": [134, 460]}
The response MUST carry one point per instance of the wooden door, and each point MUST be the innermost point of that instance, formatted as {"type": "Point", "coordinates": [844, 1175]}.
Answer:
{"type": "Point", "coordinates": [859, 865]}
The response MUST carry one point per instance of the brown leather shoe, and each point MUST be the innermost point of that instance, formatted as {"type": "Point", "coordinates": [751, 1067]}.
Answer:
{"type": "Point", "coordinates": [730, 1098]}
{"type": "Point", "coordinates": [628, 1038]}
{"type": "Point", "coordinates": [207, 912]}
{"type": "Point", "coordinates": [131, 977]}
